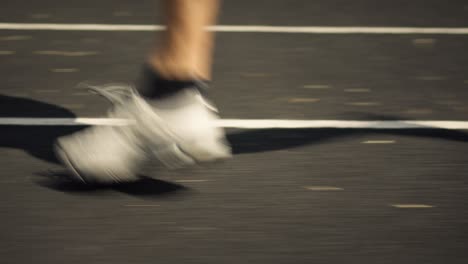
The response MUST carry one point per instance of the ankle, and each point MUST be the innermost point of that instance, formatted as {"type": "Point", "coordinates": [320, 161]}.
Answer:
{"type": "Point", "coordinates": [172, 67]}
{"type": "Point", "coordinates": [154, 85]}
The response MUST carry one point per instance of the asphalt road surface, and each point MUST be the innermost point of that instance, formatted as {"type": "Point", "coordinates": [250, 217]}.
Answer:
{"type": "Point", "coordinates": [310, 195]}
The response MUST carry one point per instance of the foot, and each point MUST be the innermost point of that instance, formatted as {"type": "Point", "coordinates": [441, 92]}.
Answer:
{"type": "Point", "coordinates": [177, 130]}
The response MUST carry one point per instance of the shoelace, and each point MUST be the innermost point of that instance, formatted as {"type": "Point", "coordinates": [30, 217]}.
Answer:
{"type": "Point", "coordinates": [116, 93]}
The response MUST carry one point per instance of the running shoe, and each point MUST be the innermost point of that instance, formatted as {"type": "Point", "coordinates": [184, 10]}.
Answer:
{"type": "Point", "coordinates": [177, 130]}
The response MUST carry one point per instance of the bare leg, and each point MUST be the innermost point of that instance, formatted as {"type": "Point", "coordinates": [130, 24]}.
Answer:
{"type": "Point", "coordinates": [186, 50]}
{"type": "Point", "coordinates": [172, 120]}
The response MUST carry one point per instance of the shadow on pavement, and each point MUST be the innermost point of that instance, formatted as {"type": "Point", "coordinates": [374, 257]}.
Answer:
{"type": "Point", "coordinates": [145, 187]}
{"type": "Point", "coordinates": [38, 141]}
{"type": "Point", "coordinates": [35, 140]}
{"type": "Point", "coordinates": [261, 140]}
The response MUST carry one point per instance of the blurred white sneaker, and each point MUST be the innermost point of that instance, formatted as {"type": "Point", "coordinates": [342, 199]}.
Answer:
{"type": "Point", "coordinates": [178, 130]}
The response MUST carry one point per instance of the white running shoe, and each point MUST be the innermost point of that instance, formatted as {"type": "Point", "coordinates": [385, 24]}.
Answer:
{"type": "Point", "coordinates": [178, 130]}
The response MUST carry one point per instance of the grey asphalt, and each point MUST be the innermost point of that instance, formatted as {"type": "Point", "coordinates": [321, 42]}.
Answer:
{"type": "Point", "coordinates": [262, 206]}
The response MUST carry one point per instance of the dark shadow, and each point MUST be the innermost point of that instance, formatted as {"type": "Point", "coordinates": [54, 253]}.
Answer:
{"type": "Point", "coordinates": [260, 140]}
{"type": "Point", "coordinates": [145, 187]}
{"type": "Point", "coordinates": [148, 187]}
{"type": "Point", "coordinates": [38, 140]}
{"type": "Point", "coordinates": [35, 140]}
{"type": "Point", "coordinates": [23, 107]}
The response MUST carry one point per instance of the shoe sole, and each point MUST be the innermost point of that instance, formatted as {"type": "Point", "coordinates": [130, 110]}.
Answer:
{"type": "Point", "coordinates": [176, 152]}
{"type": "Point", "coordinates": [64, 159]}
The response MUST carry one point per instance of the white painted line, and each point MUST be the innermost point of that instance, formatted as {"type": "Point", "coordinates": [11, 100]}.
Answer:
{"type": "Point", "coordinates": [141, 205]}
{"type": "Point", "coordinates": [303, 100]}
{"type": "Point", "coordinates": [16, 37]}
{"type": "Point", "coordinates": [363, 103]}
{"type": "Point", "coordinates": [244, 28]}
{"type": "Point", "coordinates": [357, 90]}
{"type": "Point", "coordinates": [19, 94]}
{"type": "Point", "coordinates": [10, 181]}
{"type": "Point", "coordinates": [459, 108]}
{"type": "Point", "coordinates": [420, 111]}
{"type": "Point", "coordinates": [64, 70]}
{"type": "Point", "coordinates": [80, 27]}
{"type": "Point", "coordinates": [254, 74]}
{"type": "Point", "coordinates": [64, 121]}
{"type": "Point", "coordinates": [90, 40]}
{"type": "Point", "coordinates": [323, 188]}
{"type": "Point", "coordinates": [411, 206]}
{"type": "Point", "coordinates": [448, 102]}
{"type": "Point", "coordinates": [430, 78]}
{"type": "Point", "coordinates": [371, 124]}
{"type": "Point", "coordinates": [65, 53]}
{"type": "Point", "coordinates": [122, 14]}
{"type": "Point", "coordinates": [316, 86]}
{"type": "Point", "coordinates": [252, 123]}
{"type": "Point", "coordinates": [339, 30]}
{"type": "Point", "coordinates": [7, 52]}
{"type": "Point", "coordinates": [188, 181]}
{"type": "Point", "coordinates": [187, 228]}
{"type": "Point", "coordinates": [378, 142]}
{"type": "Point", "coordinates": [40, 16]}
{"type": "Point", "coordinates": [421, 42]}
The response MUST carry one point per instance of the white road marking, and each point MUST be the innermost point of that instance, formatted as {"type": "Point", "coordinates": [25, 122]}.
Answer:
{"type": "Point", "coordinates": [64, 70]}
{"type": "Point", "coordinates": [66, 53]}
{"type": "Point", "coordinates": [252, 123]}
{"type": "Point", "coordinates": [411, 206]}
{"type": "Point", "coordinates": [19, 94]}
{"type": "Point", "coordinates": [188, 181]}
{"type": "Point", "coordinates": [363, 103]}
{"type": "Point", "coordinates": [378, 142]}
{"type": "Point", "coordinates": [420, 111]}
{"type": "Point", "coordinates": [323, 188]}
{"type": "Point", "coordinates": [244, 28]}
{"type": "Point", "coordinates": [7, 52]}
{"type": "Point", "coordinates": [448, 102]}
{"type": "Point", "coordinates": [430, 78]}
{"type": "Point", "coordinates": [64, 121]}
{"type": "Point", "coordinates": [90, 40]}
{"type": "Point", "coordinates": [371, 124]}
{"type": "Point", "coordinates": [316, 86]}
{"type": "Point", "coordinates": [79, 27]}
{"type": "Point", "coordinates": [122, 14]}
{"type": "Point", "coordinates": [187, 228]}
{"type": "Point", "coordinates": [254, 74]}
{"type": "Point", "coordinates": [303, 100]}
{"type": "Point", "coordinates": [357, 90]}
{"type": "Point", "coordinates": [141, 205]}
{"type": "Point", "coordinates": [10, 181]}
{"type": "Point", "coordinates": [40, 16]}
{"type": "Point", "coordinates": [459, 108]}
{"type": "Point", "coordinates": [16, 37]}
{"type": "Point", "coordinates": [424, 42]}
